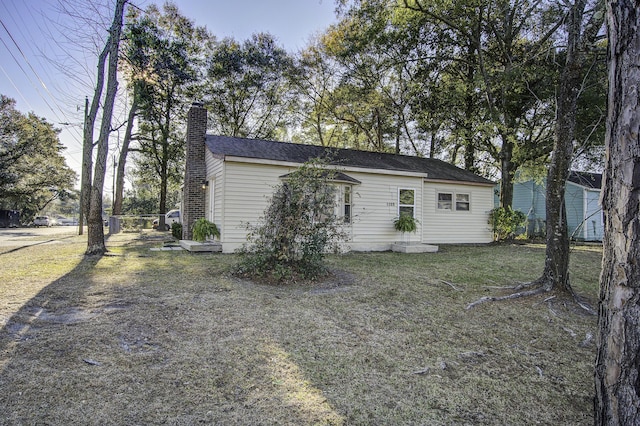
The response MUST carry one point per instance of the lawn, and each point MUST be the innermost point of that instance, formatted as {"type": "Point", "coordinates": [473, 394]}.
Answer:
{"type": "Point", "coordinates": [149, 337]}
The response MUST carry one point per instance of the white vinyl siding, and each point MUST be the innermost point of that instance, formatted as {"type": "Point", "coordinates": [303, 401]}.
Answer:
{"type": "Point", "coordinates": [375, 206]}
{"type": "Point", "coordinates": [248, 188]}
{"type": "Point", "coordinates": [243, 190]}
{"type": "Point", "coordinates": [215, 177]}
{"type": "Point", "coordinates": [443, 226]}
{"type": "Point", "coordinates": [211, 200]}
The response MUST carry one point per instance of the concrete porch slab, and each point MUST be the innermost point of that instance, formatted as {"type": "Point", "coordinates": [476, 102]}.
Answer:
{"type": "Point", "coordinates": [195, 246]}
{"type": "Point", "coordinates": [413, 248]}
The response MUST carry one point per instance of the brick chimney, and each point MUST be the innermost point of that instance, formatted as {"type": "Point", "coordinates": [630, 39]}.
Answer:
{"type": "Point", "coordinates": [195, 173]}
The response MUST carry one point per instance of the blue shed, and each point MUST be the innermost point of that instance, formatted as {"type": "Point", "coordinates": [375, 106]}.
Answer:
{"type": "Point", "coordinates": [582, 195]}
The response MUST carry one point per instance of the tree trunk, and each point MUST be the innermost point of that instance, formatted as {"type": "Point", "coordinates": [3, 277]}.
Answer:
{"type": "Point", "coordinates": [580, 36]}
{"type": "Point", "coordinates": [470, 109]}
{"type": "Point", "coordinates": [507, 171]}
{"type": "Point", "coordinates": [617, 370]}
{"type": "Point", "coordinates": [95, 237]}
{"type": "Point", "coordinates": [122, 160]}
{"type": "Point", "coordinates": [87, 139]}
{"type": "Point", "coordinates": [398, 132]}
{"type": "Point", "coordinates": [556, 267]}
{"type": "Point", "coordinates": [163, 194]}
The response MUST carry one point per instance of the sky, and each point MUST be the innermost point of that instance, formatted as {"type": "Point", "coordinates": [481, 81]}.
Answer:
{"type": "Point", "coordinates": [47, 70]}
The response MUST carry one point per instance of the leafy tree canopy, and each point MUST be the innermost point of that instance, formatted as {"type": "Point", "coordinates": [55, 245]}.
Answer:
{"type": "Point", "coordinates": [33, 171]}
{"type": "Point", "coordinates": [163, 52]}
{"type": "Point", "coordinates": [247, 87]}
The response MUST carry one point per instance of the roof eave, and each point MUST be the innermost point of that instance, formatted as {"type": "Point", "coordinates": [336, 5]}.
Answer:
{"type": "Point", "coordinates": [468, 182]}
{"type": "Point", "coordinates": [238, 159]}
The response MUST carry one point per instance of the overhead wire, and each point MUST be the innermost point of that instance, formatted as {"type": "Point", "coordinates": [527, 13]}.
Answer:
{"type": "Point", "coordinates": [38, 53]}
{"type": "Point", "coordinates": [15, 87]}
{"type": "Point", "coordinates": [36, 74]}
{"type": "Point", "coordinates": [52, 103]}
{"type": "Point", "coordinates": [76, 136]}
{"type": "Point", "coordinates": [34, 86]}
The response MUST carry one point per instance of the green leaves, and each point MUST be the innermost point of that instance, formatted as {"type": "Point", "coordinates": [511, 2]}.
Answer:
{"type": "Point", "coordinates": [405, 223]}
{"type": "Point", "coordinates": [163, 61]}
{"type": "Point", "coordinates": [33, 171]}
{"type": "Point", "coordinates": [298, 228]}
{"type": "Point", "coordinates": [203, 229]}
{"type": "Point", "coordinates": [506, 222]}
{"type": "Point", "coordinates": [247, 89]}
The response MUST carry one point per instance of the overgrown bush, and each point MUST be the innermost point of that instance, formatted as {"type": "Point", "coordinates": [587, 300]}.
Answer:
{"type": "Point", "coordinates": [203, 229]}
{"type": "Point", "coordinates": [506, 222]}
{"type": "Point", "coordinates": [176, 230]}
{"type": "Point", "coordinates": [297, 229]}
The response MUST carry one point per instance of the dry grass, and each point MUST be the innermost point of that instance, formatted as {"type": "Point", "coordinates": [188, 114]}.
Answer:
{"type": "Point", "coordinates": [147, 337]}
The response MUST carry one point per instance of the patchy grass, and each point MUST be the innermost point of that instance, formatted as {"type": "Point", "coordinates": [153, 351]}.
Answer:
{"type": "Point", "coordinates": [142, 337]}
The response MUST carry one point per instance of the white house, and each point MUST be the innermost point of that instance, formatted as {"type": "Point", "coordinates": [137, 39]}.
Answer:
{"type": "Point", "coordinates": [229, 181]}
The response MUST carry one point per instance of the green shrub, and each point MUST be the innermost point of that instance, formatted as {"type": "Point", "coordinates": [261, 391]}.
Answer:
{"type": "Point", "coordinates": [505, 222]}
{"type": "Point", "coordinates": [176, 230]}
{"type": "Point", "coordinates": [297, 229]}
{"type": "Point", "coordinates": [202, 229]}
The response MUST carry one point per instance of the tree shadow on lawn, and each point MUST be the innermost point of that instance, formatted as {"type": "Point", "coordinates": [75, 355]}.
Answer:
{"type": "Point", "coordinates": [43, 345]}
{"type": "Point", "coordinates": [108, 344]}
{"type": "Point", "coordinates": [167, 337]}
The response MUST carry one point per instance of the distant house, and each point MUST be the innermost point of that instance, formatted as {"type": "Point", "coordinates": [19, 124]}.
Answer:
{"type": "Point", "coordinates": [229, 180]}
{"type": "Point", "coordinates": [582, 194]}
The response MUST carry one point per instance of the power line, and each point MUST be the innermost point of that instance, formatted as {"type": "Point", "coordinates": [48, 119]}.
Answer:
{"type": "Point", "coordinates": [24, 72]}
{"type": "Point", "coordinates": [32, 83]}
{"type": "Point", "coordinates": [25, 59]}
{"type": "Point", "coordinates": [37, 76]}
{"type": "Point", "coordinates": [15, 87]}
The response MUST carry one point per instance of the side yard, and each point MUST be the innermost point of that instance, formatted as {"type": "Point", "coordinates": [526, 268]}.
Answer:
{"type": "Point", "coordinates": [146, 337]}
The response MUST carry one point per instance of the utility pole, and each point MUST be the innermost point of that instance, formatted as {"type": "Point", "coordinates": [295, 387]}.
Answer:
{"type": "Point", "coordinates": [83, 182]}
{"type": "Point", "coordinates": [114, 159]}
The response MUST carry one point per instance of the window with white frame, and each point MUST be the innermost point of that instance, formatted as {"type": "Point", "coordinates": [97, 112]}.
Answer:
{"type": "Point", "coordinates": [448, 201]}
{"type": "Point", "coordinates": [462, 202]}
{"type": "Point", "coordinates": [406, 202]}
{"type": "Point", "coordinates": [445, 201]}
{"type": "Point", "coordinates": [346, 203]}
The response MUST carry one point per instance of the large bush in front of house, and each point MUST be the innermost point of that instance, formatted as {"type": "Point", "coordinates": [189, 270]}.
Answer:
{"type": "Point", "coordinates": [297, 229]}
{"type": "Point", "coordinates": [505, 222]}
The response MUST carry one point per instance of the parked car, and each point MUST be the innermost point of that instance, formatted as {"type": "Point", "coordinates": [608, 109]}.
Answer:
{"type": "Point", "coordinates": [67, 221]}
{"type": "Point", "coordinates": [42, 221]}
{"type": "Point", "coordinates": [170, 217]}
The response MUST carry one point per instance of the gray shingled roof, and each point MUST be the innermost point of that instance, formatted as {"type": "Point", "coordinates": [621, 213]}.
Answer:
{"type": "Point", "coordinates": [586, 179]}
{"type": "Point", "coordinates": [298, 153]}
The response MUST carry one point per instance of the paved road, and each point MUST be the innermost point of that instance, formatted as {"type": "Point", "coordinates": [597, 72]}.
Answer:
{"type": "Point", "coordinates": [20, 237]}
